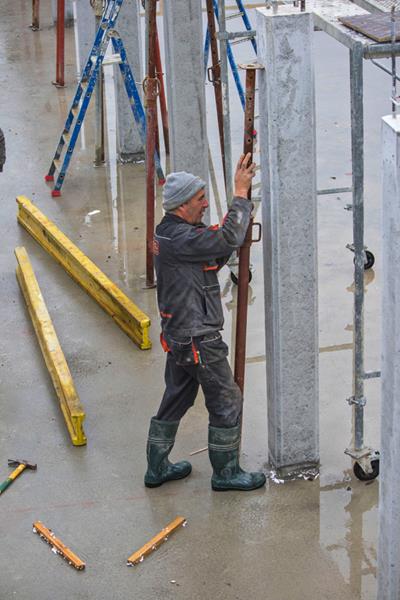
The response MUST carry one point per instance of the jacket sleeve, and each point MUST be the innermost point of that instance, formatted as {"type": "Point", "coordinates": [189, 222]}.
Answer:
{"type": "Point", "coordinates": [198, 244]}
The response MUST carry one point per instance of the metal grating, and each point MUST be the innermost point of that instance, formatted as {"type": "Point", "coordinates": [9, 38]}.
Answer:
{"type": "Point", "coordinates": [387, 4]}
{"type": "Point", "coordinates": [376, 26]}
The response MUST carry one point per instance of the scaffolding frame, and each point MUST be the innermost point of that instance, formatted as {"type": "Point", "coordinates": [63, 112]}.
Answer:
{"type": "Point", "coordinates": [366, 459]}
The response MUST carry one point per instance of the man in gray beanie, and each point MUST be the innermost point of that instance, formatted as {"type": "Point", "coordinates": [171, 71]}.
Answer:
{"type": "Point", "coordinates": [188, 256]}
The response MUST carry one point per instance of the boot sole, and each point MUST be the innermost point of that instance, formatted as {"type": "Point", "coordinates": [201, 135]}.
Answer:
{"type": "Point", "coordinates": [154, 485]}
{"type": "Point", "coordinates": [237, 489]}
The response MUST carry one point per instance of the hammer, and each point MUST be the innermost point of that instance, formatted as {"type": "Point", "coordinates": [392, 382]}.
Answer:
{"type": "Point", "coordinates": [21, 466]}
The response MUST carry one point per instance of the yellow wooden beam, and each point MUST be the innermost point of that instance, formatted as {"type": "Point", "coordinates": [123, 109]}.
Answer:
{"type": "Point", "coordinates": [125, 313]}
{"type": "Point", "coordinates": [53, 355]}
{"type": "Point", "coordinates": [156, 541]}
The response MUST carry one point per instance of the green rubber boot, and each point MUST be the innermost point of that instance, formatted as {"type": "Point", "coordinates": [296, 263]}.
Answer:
{"type": "Point", "coordinates": [223, 450]}
{"type": "Point", "coordinates": [159, 444]}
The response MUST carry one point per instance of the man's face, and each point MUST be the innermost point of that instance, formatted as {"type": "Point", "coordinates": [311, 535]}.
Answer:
{"type": "Point", "coordinates": [193, 210]}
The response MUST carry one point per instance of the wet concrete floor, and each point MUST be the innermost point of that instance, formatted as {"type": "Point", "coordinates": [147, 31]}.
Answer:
{"type": "Point", "coordinates": [289, 541]}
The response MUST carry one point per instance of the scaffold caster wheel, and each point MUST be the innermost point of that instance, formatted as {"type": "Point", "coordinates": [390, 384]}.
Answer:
{"type": "Point", "coordinates": [370, 260]}
{"type": "Point", "coordinates": [235, 279]}
{"type": "Point", "coordinates": [362, 475]}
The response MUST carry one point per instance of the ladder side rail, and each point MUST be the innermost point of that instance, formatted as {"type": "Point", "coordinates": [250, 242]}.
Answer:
{"type": "Point", "coordinates": [101, 37]}
{"type": "Point", "coordinates": [246, 22]}
{"type": "Point", "coordinates": [78, 125]}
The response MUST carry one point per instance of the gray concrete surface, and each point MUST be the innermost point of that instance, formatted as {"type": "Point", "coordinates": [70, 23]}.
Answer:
{"type": "Point", "coordinates": [289, 187]}
{"type": "Point", "coordinates": [185, 87]}
{"type": "Point", "coordinates": [85, 31]}
{"type": "Point", "coordinates": [130, 147]}
{"type": "Point", "coordinates": [389, 507]}
{"type": "Point", "coordinates": [290, 541]}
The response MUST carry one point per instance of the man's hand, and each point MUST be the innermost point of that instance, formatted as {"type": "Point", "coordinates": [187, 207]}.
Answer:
{"type": "Point", "coordinates": [243, 175]}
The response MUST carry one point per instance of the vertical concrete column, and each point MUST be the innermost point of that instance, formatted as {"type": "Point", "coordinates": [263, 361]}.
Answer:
{"type": "Point", "coordinates": [85, 31]}
{"type": "Point", "coordinates": [183, 31]}
{"type": "Point", "coordinates": [288, 168]}
{"type": "Point", "coordinates": [130, 147]}
{"type": "Point", "coordinates": [389, 501]}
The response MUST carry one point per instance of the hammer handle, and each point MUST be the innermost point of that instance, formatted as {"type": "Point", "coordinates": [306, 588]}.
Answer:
{"type": "Point", "coordinates": [11, 477]}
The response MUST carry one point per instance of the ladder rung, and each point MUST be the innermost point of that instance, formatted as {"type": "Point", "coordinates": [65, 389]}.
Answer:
{"type": "Point", "coordinates": [240, 41]}
{"type": "Point", "coordinates": [66, 136]}
{"type": "Point", "coordinates": [234, 16]}
{"type": "Point", "coordinates": [75, 110]}
{"type": "Point", "coordinates": [57, 163]}
{"type": "Point", "coordinates": [256, 117]}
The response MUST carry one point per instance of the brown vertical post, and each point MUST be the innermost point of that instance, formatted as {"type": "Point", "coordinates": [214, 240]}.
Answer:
{"type": "Point", "coordinates": [163, 101]}
{"type": "Point", "coordinates": [35, 15]}
{"type": "Point", "coordinates": [151, 89]}
{"type": "Point", "coordinates": [215, 79]}
{"type": "Point", "coordinates": [59, 82]}
{"type": "Point", "coordinates": [244, 252]}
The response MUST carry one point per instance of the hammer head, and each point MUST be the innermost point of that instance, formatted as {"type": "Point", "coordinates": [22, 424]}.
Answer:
{"type": "Point", "coordinates": [15, 463]}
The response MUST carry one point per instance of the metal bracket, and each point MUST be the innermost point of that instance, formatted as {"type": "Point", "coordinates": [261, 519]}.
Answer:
{"type": "Point", "coordinates": [371, 374]}
{"type": "Point", "coordinates": [357, 401]}
{"type": "Point", "coordinates": [258, 225]}
{"type": "Point", "coordinates": [251, 66]}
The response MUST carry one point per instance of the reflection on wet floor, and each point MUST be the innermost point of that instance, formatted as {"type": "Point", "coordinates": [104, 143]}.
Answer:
{"type": "Point", "coordinates": [353, 507]}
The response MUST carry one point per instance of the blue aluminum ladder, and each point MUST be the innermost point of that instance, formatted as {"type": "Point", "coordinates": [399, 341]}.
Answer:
{"type": "Point", "coordinates": [85, 88]}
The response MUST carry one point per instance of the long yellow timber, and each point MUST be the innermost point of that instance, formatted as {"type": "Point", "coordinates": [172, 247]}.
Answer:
{"type": "Point", "coordinates": [125, 313]}
{"type": "Point", "coordinates": [53, 355]}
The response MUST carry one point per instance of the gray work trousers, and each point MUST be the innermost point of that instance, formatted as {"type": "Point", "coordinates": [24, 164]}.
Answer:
{"type": "Point", "coordinates": [194, 362]}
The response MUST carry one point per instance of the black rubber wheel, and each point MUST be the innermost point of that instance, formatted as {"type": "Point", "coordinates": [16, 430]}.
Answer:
{"type": "Point", "coordinates": [362, 475]}
{"type": "Point", "coordinates": [370, 260]}
{"type": "Point", "coordinates": [235, 279]}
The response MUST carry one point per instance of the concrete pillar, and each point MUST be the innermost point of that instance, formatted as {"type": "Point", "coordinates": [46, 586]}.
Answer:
{"type": "Point", "coordinates": [288, 168]}
{"type": "Point", "coordinates": [389, 502]}
{"type": "Point", "coordinates": [69, 13]}
{"type": "Point", "coordinates": [130, 147]}
{"type": "Point", "coordinates": [85, 31]}
{"type": "Point", "coordinates": [183, 30]}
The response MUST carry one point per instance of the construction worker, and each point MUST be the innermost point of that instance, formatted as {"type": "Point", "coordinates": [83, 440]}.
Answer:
{"type": "Point", "coordinates": [188, 256]}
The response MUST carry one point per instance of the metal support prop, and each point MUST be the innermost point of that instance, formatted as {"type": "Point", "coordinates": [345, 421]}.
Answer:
{"type": "Point", "coordinates": [59, 82]}
{"type": "Point", "coordinates": [150, 89]}
{"type": "Point", "coordinates": [99, 99]}
{"type": "Point", "coordinates": [214, 77]}
{"type": "Point", "coordinates": [163, 100]}
{"type": "Point", "coordinates": [225, 102]}
{"type": "Point", "coordinates": [393, 59]}
{"type": "Point", "coordinates": [244, 252]}
{"type": "Point", "coordinates": [35, 15]}
{"type": "Point", "coordinates": [357, 151]}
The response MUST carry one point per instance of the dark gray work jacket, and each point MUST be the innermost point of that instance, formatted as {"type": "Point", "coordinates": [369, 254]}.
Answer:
{"type": "Point", "coordinates": [187, 259]}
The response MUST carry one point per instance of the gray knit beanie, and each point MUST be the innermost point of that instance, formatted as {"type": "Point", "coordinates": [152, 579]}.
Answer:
{"type": "Point", "coordinates": [179, 188]}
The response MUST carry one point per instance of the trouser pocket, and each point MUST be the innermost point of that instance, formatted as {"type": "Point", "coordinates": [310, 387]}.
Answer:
{"type": "Point", "coordinates": [183, 351]}
{"type": "Point", "coordinates": [212, 348]}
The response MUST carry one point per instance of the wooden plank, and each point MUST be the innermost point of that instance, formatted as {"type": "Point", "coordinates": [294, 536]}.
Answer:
{"type": "Point", "coordinates": [156, 541]}
{"type": "Point", "coordinates": [71, 407]}
{"type": "Point", "coordinates": [134, 322]}
{"type": "Point", "coordinates": [60, 548]}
